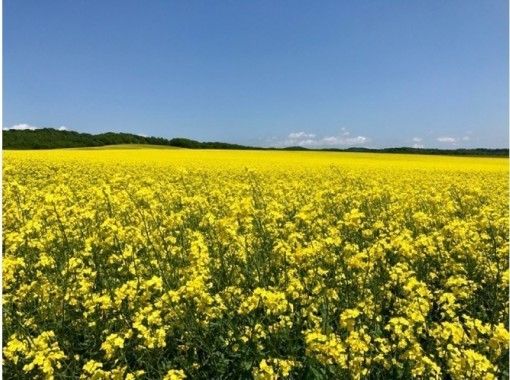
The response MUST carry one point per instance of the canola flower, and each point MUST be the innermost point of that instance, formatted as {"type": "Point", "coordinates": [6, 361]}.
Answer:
{"type": "Point", "coordinates": [180, 264]}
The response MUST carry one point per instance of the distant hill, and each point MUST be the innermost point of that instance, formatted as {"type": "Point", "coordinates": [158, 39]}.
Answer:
{"type": "Point", "coordinates": [453, 152]}
{"type": "Point", "coordinates": [49, 138]}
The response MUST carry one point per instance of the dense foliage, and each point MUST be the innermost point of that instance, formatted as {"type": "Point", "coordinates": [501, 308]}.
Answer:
{"type": "Point", "coordinates": [172, 264]}
{"type": "Point", "coordinates": [49, 138]}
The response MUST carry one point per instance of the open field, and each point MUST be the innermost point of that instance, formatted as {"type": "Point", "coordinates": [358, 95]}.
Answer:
{"type": "Point", "coordinates": [126, 146]}
{"type": "Point", "coordinates": [147, 263]}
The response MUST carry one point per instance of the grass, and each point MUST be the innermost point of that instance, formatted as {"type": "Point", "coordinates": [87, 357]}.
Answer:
{"type": "Point", "coordinates": [126, 146]}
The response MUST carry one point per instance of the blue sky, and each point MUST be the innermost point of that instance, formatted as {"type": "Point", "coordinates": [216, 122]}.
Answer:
{"type": "Point", "coordinates": [270, 73]}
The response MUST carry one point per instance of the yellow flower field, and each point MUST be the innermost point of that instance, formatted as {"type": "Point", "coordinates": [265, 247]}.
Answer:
{"type": "Point", "coordinates": [173, 264]}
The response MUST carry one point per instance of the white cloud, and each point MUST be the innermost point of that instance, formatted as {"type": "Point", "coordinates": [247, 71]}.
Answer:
{"type": "Point", "coordinates": [307, 142]}
{"type": "Point", "coordinates": [311, 140]}
{"type": "Point", "coordinates": [418, 146]}
{"type": "Point", "coordinates": [352, 140]}
{"type": "Point", "coordinates": [20, 127]}
{"type": "Point", "coordinates": [454, 140]}
{"type": "Point", "coordinates": [300, 138]}
{"type": "Point", "coordinates": [417, 139]}
{"type": "Point", "coordinates": [446, 139]}
{"type": "Point", "coordinates": [23, 126]}
{"type": "Point", "coordinates": [332, 140]}
{"type": "Point", "coordinates": [300, 135]}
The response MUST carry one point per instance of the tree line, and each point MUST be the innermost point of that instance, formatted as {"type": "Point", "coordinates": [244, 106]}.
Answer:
{"type": "Point", "coordinates": [49, 138]}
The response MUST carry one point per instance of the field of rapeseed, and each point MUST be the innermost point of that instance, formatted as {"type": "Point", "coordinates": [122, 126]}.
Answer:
{"type": "Point", "coordinates": [173, 264]}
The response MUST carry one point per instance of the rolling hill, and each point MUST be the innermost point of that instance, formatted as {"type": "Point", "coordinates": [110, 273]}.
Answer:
{"type": "Point", "coordinates": [49, 138]}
